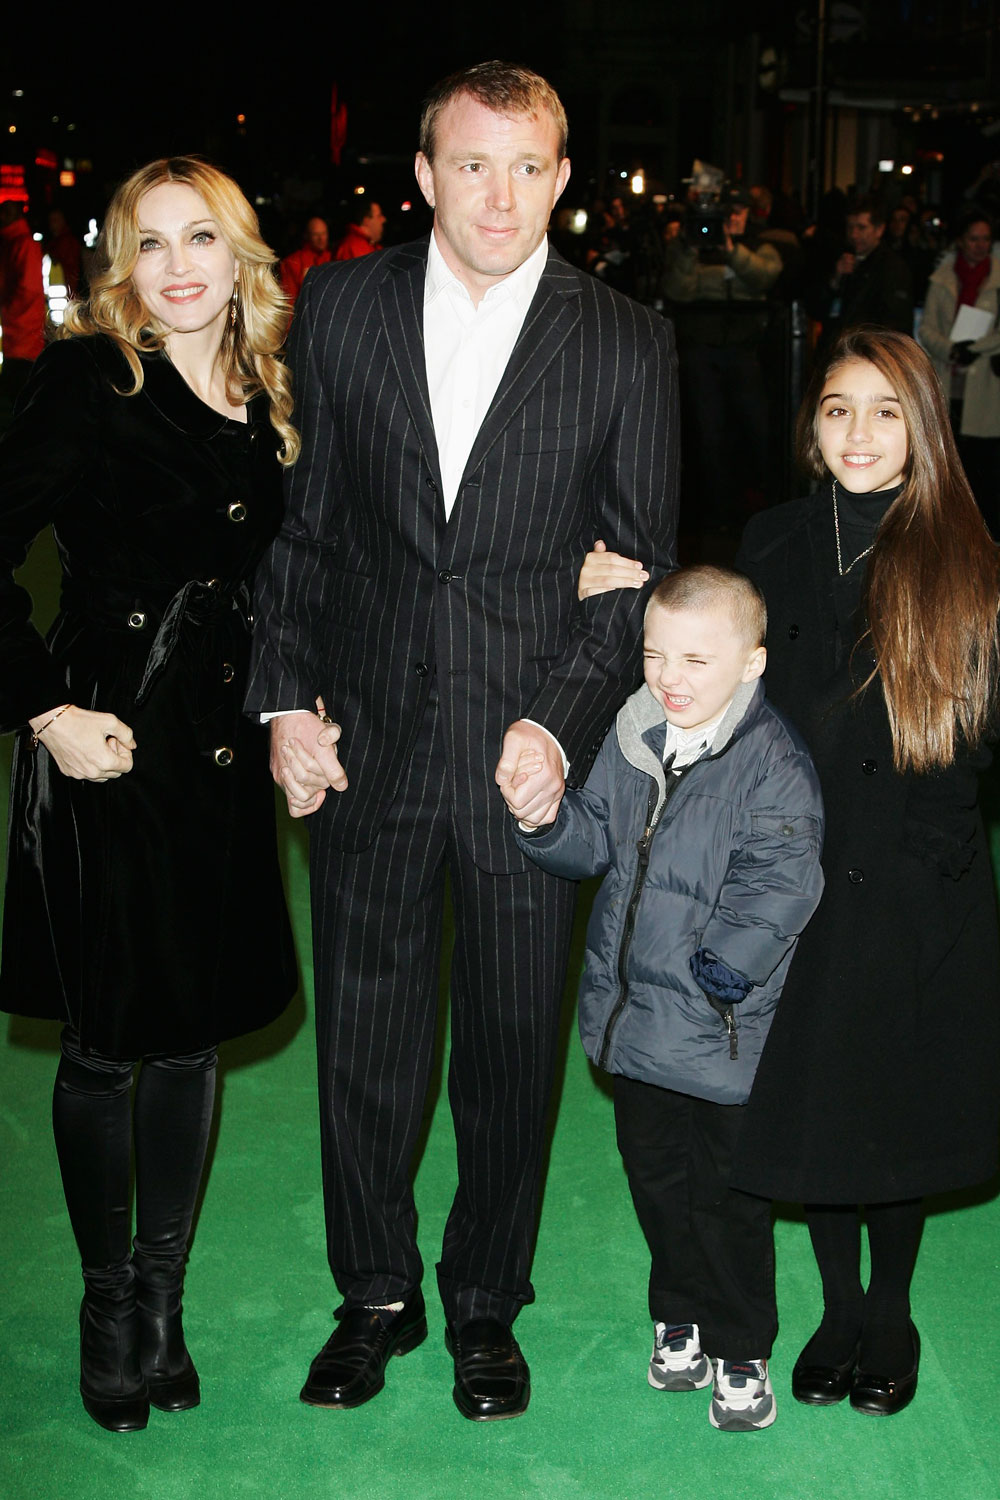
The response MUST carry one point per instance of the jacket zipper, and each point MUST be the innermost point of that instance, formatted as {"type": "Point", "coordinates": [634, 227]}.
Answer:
{"type": "Point", "coordinates": [628, 930]}
{"type": "Point", "coordinates": [734, 1040]}
{"type": "Point", "coordinates": [725, 1012]}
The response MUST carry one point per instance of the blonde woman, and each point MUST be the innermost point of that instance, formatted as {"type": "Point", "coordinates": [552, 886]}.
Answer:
{"type": "Point", "coordinates": [144, 905]}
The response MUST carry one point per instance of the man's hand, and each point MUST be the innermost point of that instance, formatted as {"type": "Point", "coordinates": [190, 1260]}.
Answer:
{"type": "Point", "coordinates": [845, 265]}
{"type": "Point", "coordinates": [533, 795]}
{"type": "Point", "coordinates": [304, 760]}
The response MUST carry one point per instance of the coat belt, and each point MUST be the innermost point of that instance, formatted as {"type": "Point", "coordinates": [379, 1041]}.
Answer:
{"type": "Point", "coordinates": [197, 603]}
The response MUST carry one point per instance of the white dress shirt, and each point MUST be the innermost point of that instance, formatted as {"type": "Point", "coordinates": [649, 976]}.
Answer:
{"type": "Point", "coordinates": [467, 348]}
{"type": "Point", "coordinates": [685, 745]}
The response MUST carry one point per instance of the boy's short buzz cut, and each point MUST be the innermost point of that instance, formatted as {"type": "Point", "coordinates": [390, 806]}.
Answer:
{"type": "Point", "coordinates": [705, 586]}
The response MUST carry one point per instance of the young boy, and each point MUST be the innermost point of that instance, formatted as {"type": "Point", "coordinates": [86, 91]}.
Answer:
{"type": "Point", "coordinates": [703, 814]}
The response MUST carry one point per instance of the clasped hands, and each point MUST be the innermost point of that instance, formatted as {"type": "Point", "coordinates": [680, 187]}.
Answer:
{"type": "Point", "coordinates": [530, 774]}
{"type": "Point", "coordinates": [304, 760]}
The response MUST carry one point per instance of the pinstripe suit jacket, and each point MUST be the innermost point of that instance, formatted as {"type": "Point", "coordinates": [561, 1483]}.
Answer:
{"type": "Point", "coordinates": [368, 590]}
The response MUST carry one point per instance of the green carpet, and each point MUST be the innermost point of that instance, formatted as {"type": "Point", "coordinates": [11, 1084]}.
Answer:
{"type": "Point", "coordinates": [260, 1301]}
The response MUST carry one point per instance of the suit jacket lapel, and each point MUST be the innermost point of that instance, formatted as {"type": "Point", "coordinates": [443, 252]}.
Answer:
{"type": "Point", "coordinates": [401, 299]}
{"type": "Point", "coordinates": [551, 318]}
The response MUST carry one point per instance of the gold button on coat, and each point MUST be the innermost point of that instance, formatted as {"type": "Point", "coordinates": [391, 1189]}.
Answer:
{"type": "Point", "coordinates": [237, 511]}
{"type": "Point", "coordinates": [228, 671]}
{"type": "Point", "coordinates": [136, 620]}
{"type": "Point", "coordinates": [223, 756]}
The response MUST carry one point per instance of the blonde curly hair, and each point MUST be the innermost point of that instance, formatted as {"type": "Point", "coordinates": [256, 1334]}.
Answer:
{"type": "Point", "coordinates": [251, 347]}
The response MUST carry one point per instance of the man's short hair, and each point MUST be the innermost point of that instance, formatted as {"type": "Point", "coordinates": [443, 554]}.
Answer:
{"type": "Point", "coordinates": [870, 204]}
{"type": "Point", "coordinates": [705, 586]}
{"type": "Point", "coordinates": [502, 87]}
{"type": "Point", "coordinates": [359, 208]}
{"type": "Point", "coordinates": [973, 215]}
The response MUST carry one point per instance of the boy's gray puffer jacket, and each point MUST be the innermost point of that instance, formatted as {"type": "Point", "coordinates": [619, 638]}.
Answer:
{"type": "Point", "coordinates": [731, 866]}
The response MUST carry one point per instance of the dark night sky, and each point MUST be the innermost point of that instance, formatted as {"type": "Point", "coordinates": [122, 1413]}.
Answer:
{"type": "Point", "coordinates": [157, 84]}
{"type": "Point", "coordinates": [140, 83]}
{"type": "Point", "coordinates": [186, 97]}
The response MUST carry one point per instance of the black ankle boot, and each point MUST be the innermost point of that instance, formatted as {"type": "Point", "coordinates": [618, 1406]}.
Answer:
{"type": "Point", "coordinates": [169, 1371]}
{"type": "Point", "coordinates": [111, 1382]}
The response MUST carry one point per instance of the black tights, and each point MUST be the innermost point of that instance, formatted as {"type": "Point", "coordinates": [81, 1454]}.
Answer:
{"type": "Point", "coordinates": [95, 1126]}
{"type": "Point", "coordinates": [880, 1316]}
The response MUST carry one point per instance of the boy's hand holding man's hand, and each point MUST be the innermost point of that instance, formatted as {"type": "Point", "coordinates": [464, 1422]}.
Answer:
{"type": "Point", "coordinates": [523, 782]}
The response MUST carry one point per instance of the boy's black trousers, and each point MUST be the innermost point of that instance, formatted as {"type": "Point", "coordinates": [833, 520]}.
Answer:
{"type": "Point", "coordinates": [712, 1246]}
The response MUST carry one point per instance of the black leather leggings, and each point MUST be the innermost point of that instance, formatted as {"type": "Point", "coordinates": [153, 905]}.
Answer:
{"type": "Point", "coordinates": [95, 1125]}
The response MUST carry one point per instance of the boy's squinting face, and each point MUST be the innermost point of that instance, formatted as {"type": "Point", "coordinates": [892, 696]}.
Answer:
{"type": "Point", "coordinates": [693, 662]}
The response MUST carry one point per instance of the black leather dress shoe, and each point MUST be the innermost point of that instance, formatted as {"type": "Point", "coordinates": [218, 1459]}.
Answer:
{"type": "Point", "coordinates": [491, 1375]}
{"type": "Point", "coordinates": [350, 1368]}
{"type": "Point", "coordinates": [822, 1385]}
{"type": "Point", "coordinates": [879, 1396]}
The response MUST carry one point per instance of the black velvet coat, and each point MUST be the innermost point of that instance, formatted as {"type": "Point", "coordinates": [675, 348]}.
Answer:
{"type": "Point", "coordinates": [881, 1075]}
{"type": "Point", "coordinates": [147, 910]}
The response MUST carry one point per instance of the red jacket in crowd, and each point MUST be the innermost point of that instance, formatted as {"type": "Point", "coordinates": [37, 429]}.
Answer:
{"type": "Point", "coordinates": [22, 296]}
{"type": "Point", "coordinates": [295, 266]}
{"type": "Point", "coordinates": [354, 245]}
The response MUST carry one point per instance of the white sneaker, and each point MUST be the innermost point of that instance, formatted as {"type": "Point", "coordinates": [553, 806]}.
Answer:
{"type": "Point", "coordinates": [742, 1399]}
{"type": "Point", "coordinates": [679, 1363]}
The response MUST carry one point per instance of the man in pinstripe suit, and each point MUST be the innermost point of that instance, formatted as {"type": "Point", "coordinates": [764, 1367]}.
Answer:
{"type": "Point", "coordinates": [474, 413]}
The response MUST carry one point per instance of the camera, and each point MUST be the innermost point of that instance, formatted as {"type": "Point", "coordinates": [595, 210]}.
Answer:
{"type": "Point", "coordinates": [710, 204]}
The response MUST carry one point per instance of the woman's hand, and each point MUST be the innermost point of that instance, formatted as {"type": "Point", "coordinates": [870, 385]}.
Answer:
{"type": "Point", "coordinates": [603, 570]}
{"type": "Point", "coordinates": [86, 746]}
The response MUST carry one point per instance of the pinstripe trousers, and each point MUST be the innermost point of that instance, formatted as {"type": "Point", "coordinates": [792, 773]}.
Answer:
{"type": "Point", "coordinates": [377, 919]}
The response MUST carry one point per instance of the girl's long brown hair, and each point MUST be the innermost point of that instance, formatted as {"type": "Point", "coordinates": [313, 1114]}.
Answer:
{"type": "Point", "coordinates": [933, 584]}
{"type": "Point", "coordinates": [251, 348]}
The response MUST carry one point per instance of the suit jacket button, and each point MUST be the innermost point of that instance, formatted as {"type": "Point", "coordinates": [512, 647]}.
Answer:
{"type": "Point", "coordinates": [855, 876]}
{"type": "Point", "coordinates": [869, 767]}
{"type": "Point", "coordinates": [793, 632]}
{"type": "Point", "coordinates": [223, 756]}
{"type": "Point", "coordinates": [420, 668]}
{"type": "Point", "coordinates": [237, 511]}
{"type": "Point", "coordinates": [445, 576]}
{"type": "Point", "coordinates": [136, 620]}
{"type": "Point", "coordinates": [228, 671]}
{"type": "Point", "coordinates": [429, 481]}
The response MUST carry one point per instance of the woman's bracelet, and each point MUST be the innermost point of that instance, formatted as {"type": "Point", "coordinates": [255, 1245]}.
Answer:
{"type": "Point", "coordinates": [36, 734]}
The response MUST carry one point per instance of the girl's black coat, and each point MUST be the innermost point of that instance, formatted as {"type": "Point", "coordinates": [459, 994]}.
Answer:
{"type": "Point", "coordinates": [146, 910]}
{"type": "Point", "coordinates": [880, 1077]}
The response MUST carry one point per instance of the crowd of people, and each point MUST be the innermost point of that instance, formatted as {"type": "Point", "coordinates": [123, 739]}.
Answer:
{"type": "Point", "coordinates": [461, 645]}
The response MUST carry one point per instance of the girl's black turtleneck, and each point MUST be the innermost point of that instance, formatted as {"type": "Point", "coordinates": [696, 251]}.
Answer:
{"type": "Point", "coordinates": [860, 517]}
